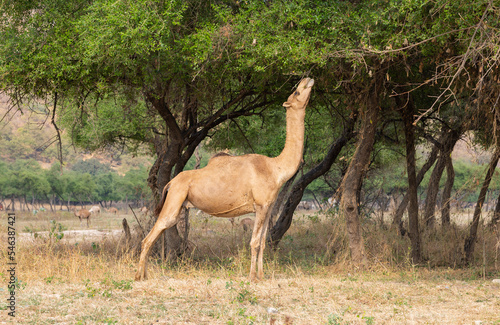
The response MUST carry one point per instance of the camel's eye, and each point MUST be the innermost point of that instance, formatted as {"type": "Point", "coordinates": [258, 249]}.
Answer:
{"type": "Point", "coordinates": [297, 93]}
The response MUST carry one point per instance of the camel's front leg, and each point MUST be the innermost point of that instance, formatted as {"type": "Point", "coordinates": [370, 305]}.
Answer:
{"type": "Point", "coordinates": [260, 265]}
{"type": "Point", "coordinates": [257, 243]}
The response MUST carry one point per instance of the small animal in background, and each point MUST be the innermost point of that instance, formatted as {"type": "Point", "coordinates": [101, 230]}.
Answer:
{"type": "Point", "coordinates": [95, 209]}
{"type": "Point", "coordinates": [82, 214]}
{"type": "Point", "coordinates": [247, 224]}
{"type": "Point", "coordinates": [144, 210]}
{"type": "Point", "coordinates": [113, 210]}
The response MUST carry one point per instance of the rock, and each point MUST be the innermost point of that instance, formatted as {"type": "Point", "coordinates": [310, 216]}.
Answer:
{"type": "Point", "coordinates": [272, 310]}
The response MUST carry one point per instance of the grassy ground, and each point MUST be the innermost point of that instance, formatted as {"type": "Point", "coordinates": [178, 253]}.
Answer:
{"type": "Point", "coordinates": [308, 280]}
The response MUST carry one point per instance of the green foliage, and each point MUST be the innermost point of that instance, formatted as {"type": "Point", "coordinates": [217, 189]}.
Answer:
{"type": "Point", "coordinates": [25, 178]}
{"type": "Point", "coordinates": [56, 230]}
{"type": "Point", "coordinates": [90, 166]}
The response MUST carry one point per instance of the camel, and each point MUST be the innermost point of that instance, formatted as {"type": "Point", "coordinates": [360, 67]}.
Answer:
{"type": "Point", "coordinates": [231, 186]}
{"type": "Point", "coordinates": [113, 210]}
{"type": "Point", "coordinates": [247, 224]}
{"type": "Point", "coordinates": [82, 214]}
{"type": "Point", "coordinates": [95, 209]}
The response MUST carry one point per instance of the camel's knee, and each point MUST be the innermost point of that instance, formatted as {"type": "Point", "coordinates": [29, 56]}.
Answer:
{"type": "Point", "coordinates": [255, 246]}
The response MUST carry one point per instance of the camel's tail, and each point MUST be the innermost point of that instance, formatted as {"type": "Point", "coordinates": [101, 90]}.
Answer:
{"type": "Point", "coordinates": [162, 200]}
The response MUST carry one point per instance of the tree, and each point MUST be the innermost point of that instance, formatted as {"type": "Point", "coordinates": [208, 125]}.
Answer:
{"type": "Point", "coordinates": [187, 67]}
{"type": "Point", "coordinates": [407, 111]}
{"type": "Point", "coordinates": [297, 191]}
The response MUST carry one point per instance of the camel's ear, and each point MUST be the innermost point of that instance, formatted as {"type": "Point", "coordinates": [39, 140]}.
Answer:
{"type": "Point", "coordinates": [287, 104]}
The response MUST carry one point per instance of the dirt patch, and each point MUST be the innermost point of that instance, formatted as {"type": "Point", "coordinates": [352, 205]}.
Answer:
{"type": "Point", "coordinates": [298, 300]}
{"type": "Point", "coordinates": [74, 236]}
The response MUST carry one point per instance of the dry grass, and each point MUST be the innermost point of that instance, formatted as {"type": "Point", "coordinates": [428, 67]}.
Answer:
{"type": "Point", "coordinates": [308, 280]}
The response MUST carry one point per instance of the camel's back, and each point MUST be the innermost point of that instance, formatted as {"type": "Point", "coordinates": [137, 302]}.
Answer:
{"type": "Point", "coordinates": [252, 167]}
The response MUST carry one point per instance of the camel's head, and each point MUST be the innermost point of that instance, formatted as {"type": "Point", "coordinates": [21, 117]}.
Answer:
{"type": "Point", "coordinates": [300, 97]}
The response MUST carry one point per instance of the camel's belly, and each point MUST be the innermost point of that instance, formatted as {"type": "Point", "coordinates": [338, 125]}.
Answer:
{"type": "Point", "coordinates": [226, 211]}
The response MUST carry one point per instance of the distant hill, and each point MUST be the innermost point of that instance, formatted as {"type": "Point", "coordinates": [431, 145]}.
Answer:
{"type": "Point", "coordinates": [466, 151]}
{"type": "Point", "coordinates": [28, 134]}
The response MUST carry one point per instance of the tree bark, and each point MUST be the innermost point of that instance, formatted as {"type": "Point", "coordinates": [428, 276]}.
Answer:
{"type": "Point", "coordinates": [432, 193]}
{"type": "Point", "coordinates": [407, 111]}
{"type": "Point", "coordinates": [446, 204]}
{"type": "Point", "coordinates": [278, 204]}
{"type": "Point", "coordinates": [285, 219]}
{"type": "Point", "coordinates": [353, 179]}
{"type": "Point", "coordinates": [471, 239]}
{"type": "Point", "coordinates": [496, 215]}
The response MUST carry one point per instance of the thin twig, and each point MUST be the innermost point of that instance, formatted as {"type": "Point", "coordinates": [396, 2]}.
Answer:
{"type": "Point", "coordinates": [142, 229]}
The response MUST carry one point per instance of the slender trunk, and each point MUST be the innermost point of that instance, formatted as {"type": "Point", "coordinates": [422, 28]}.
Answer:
{"type": "Point", "coordinates": [449, 142]}
{"type": "Point", "coordinates": [471, 239]}
{"type": "Point", "coordinates": [414, 232]}
{"type": "Point", "coordinates": [496, 215]}
{"type": "Point", "coordinates": [285, 219]}
{"type": "Point", "coordinates": [353, 179]}
{"type": "Point", "coordinates": [432, 192]}
{"type": "Point", "coordinates": [51, 200]}
{"type": "Point", "coordinates": [197, 155]}
{"type": "Point", "coordinates": [398, 216]}
{"type": "Point", "coordinates": [446, 204]}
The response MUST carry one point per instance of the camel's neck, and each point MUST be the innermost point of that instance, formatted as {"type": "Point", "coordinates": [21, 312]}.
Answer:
{"type": "Point", "coordinates": [289, 160]}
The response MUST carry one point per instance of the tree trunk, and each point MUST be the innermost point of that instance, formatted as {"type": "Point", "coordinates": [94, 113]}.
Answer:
{"type": "Point", "coordinates": [448, 144]}
{"type": "Point", "coordinates": [432, 193]}
{"type": "Point", "coordinates": [471, 239]}
{"type": "Point", "coordinates": [278, 205]}
{"type": "Point", "coordinates": [353, 179]}
{"type": "Point", "coordinates": [397, 220]}
{"type": "Point", "coordinates": [285, 219]}
{"type": "Point", "coordinates": [160, 174]}
{"type": "Point", "coordinates": [446, 204]}
{"type": "Point", "coordinates": [197, 155]}
{"type": "Point", "coordinates": [414, 232]}
{"type": "Point", "coordinates": [496, 215]}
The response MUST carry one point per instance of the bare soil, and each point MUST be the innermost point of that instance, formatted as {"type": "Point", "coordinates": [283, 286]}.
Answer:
{"type": "Point", "coordinates": [195, 299]}
{"type": "Point", "coordinates": [88, 283]}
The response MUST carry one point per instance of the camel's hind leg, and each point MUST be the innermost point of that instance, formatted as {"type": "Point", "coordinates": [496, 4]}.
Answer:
{"type": "Point", "coordinates": [169, 216]}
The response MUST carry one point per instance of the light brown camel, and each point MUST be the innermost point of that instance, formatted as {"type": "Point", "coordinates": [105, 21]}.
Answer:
{"type": "Point", "coordinates": [230, 186]}
{"type": "Point", "coordinates": [113, 210]}
{"type": "Point", "coordinates": [95, 209]}
{"type": "Point", "coordinates": [247, 224]}
{"type": "Point", "coordinates": [82, 214]}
